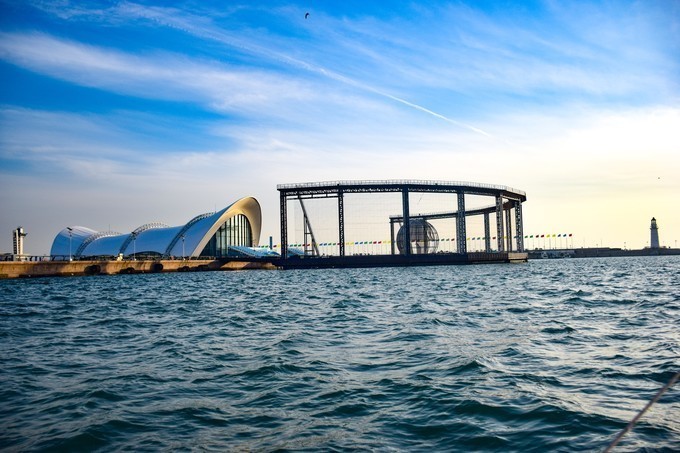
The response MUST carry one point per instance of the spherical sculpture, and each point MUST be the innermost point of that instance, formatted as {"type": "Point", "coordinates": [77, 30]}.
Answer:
{"type": "Point", "coordinates": [424, 237]}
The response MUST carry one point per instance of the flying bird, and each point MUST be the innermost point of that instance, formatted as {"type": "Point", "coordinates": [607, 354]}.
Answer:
{"type": "Point", "coordinates": [306, 15]}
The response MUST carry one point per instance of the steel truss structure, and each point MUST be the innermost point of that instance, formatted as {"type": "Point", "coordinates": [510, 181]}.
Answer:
{"type": "Point", "coordinates": [506, 199]}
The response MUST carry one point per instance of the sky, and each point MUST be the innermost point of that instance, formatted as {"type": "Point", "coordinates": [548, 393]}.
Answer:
{"type": "Point", "coordinates": [114, 114]}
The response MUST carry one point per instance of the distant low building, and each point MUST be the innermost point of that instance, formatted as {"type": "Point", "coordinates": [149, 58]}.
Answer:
{"type": "Point", "coordinates": [210, 234]}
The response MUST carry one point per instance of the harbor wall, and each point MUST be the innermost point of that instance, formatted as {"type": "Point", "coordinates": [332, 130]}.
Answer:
{"type": "Point", "coordinates": [19, 269]}
{"type": "Point", "coordinates": [434, 259]}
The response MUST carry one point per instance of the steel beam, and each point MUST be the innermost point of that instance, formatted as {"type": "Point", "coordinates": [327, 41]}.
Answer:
{"type": "Point", "coordinates": [487, 233]}
{"type": "Point", "coordinates": [341, 222]}
{"type": "Point", "coordinates": [508, 229]}
{"type": "Point", "coordinates": [406, 228]}
{"type": "Point", "coordinates": [519, 227]}
{"type": "Point", "coordinates": [461, 234]}
{"type": "Point", "coordinates": [499, 223]}
{"type": "Point", "coordinates": [284, 226]}
{"type": "Point", "coordinates": [308, 232]}
{"type": "Point", "coordinates": [392, 242]}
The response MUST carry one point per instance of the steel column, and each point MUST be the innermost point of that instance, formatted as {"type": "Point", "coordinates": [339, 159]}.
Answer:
{"type": "Point", "coordinates": [392, 244]}
{"type": "Point", "coordinates": [406, 228]}
{"type": "Point", "coordinates": [341, 222]}
{"type": "Point", "coordinates": [519, 227]}
{"type": "Point", "coordinates": [499, 223]}
{"type": "Point", "coordinates": [284, 226]}
{"type": "Point", "coordinates": [308, 232]}
{"type": "Point", "coordinates": [508, 229]}
{"type": "Point", "coordinates": [487, 233]}
{"type": "Point", "coordinates": [460, 224]}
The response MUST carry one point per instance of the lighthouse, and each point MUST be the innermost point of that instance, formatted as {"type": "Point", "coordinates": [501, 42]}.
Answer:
{"type": "Point", "coordinates": [654, 240]}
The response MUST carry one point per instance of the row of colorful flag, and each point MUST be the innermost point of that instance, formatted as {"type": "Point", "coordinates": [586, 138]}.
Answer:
{"type": "Point", "coordinates": [479, 238]}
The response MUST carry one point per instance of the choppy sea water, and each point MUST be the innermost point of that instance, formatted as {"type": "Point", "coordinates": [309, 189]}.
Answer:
{"type": "Point", "coordinates": [553, 355]}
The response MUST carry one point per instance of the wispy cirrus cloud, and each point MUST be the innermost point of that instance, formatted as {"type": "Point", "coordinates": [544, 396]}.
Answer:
{"type": "Point", "coordinates": [268, 47]}
{"type": "Point", "coordinates": [158, 75]}
{"type": "Point", "coordinates": [583, 49]}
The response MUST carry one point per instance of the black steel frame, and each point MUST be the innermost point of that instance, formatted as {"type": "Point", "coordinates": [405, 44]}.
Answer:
{"type": "Point", "coordinates": [506, 199]}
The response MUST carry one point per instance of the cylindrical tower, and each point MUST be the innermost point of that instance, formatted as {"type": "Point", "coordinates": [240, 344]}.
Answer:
{"type": "Point", "coordinates": [18, 236]}
{"type": "Point", "coordinates": [654, 240]}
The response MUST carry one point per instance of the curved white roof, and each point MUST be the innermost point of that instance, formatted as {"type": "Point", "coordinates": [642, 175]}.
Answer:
{"type": "Point", "coordinates": [69, 240]}
{"type": "Point", "coordinates": [157, 238]}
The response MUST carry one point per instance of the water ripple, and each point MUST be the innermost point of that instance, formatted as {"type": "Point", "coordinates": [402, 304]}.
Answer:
{"type": "Point", "coordinates": [555, 355]}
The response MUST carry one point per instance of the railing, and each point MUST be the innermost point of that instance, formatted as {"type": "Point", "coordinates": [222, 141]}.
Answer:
{"type": "Point", "coordinates": [32, 258]}
{"type": "Point", "coordinates": [388, 182]}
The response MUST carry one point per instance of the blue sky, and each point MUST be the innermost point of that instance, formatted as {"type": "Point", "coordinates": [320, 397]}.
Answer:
{"type": "Point", "coordinates": [114, 114]}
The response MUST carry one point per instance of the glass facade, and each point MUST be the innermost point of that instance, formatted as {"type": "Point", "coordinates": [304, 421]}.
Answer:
{"type": "Point", "coordinates": [235, 231]}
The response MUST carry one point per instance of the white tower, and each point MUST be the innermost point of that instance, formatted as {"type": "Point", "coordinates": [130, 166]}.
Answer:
{"type": "Point", "coordinates": [18, 236]}
{"type": "Point", "coordinates": [654, 240]}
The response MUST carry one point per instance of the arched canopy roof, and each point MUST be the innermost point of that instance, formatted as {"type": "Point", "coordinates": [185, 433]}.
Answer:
{"type": "Point", "coordinates": [69, 240]}
{"type": "Point", "coordinates": [157, 238]}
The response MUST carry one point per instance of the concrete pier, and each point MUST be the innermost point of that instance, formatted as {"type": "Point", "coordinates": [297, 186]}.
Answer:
{"type": "Point", "coordinates": [19, 269]}
{"type": "Point", "coordinates": [433, 259]}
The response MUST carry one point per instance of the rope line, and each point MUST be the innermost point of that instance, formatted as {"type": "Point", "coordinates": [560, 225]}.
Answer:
{"type": "Point", "coordinates": [642, 412]}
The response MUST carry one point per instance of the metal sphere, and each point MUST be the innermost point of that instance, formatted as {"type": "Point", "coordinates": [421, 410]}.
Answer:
{"type": "Point", "coordinates": [424, 237]}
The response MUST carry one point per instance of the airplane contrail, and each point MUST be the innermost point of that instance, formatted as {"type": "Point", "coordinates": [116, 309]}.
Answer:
{"type": "Point", "coordinates": [224, 38]}
{"type": "Point", "coordinates": [438, 115]}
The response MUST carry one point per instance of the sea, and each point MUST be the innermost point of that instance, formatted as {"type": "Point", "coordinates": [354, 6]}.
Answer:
{"type": "Point", "coordinates": [550, 355]}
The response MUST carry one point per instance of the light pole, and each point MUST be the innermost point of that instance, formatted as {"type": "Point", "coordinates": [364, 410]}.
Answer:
{"type": "Point", "coordinates": [183, 255]}
{"type": "Point", "coordinates": [70, 240]}
{"type": "Point", "coordinates": [134, 246]}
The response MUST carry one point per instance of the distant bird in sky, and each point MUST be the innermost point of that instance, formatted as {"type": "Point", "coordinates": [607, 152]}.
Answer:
{"type": "Point", "coordinates": [306, 15]}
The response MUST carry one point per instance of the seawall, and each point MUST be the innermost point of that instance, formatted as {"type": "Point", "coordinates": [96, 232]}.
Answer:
{"type": "Point", "coordinates": [434, 259]}
{"type": "Point", "coordinates": [19, 269]}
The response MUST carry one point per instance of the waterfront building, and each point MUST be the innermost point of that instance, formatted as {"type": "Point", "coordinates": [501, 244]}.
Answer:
{"type": "Point", "coordinates": [215, 234]}
{"type": "Point", "coordinates": [654, 231]}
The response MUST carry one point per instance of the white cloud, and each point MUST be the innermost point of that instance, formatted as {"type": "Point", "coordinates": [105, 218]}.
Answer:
{"type": "Point", "coordinates": [162, 76]}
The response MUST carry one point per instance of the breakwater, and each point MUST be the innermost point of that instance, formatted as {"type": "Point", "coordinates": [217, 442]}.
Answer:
{"type": "Point", "coordinates": [19, 269]}
{"type": "Point", "coordinates": [427, 259]}
{"type": "Point", "coordinates": [24, 269]}
{"type": "Point", "coordinates": [600, 252]}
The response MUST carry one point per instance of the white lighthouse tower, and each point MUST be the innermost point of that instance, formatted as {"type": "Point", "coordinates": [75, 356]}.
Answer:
{"type": "Point", "coordinates": [654, 240]}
